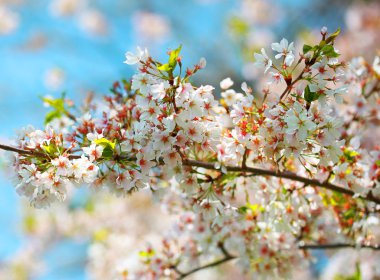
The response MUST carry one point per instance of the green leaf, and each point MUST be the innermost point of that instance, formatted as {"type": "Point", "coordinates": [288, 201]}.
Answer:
{"type": "Point", "coordinates": [58, 104]}
{"type": "Point", "coordinates": [350, 213]}
{"type": "Point", "coordinates": [306, 48]}
{"type": "Point", "coordinates": [228, 177]}
{"type": "Point", "coordinates": [89, 206]}
{"type": "Point", "coordinates": [105, 143]}
{"type": "Point", "coordinates": [164, 67]}
{"type": "Point", "coordinates": [59, 108]}
{"type": "Point", "coordinates": [127, 85]}
{"type": "Point", "coordinates": [329, 51]}
{"type": "Point", "coordinates": [30, 223]}
{"type": "Point", "coordinates": [254, 208]}
{"type": "Point", "coordinates": [50, 149]}
{"type": "Point", "coordinates": [332, 37]}
{"type": "Point", "coordinates": [350, 154]}
{"type": "Point", "coordinates": [147, 254]}
{"type": "Point", "coordinates": [109, 147]}
{"type": "Point", "coordinates": [52, 115]}
{"type": "Point", "coordinates": [172, 63]}
{"type": "Point", "coordinates": [242, 209]}
{"type": "Point", "coordinates": [174, 56]}
{"type": "Point", "coordinates": [101, 235]}
{"type": "Point", "coordinates": [356, 276]}
{"type": "Point", "coordinates": [107, 153]}
{"type": "Point", "coordinates": [310, 96]}
{"type": "Point", "coordinates": [239, 26]}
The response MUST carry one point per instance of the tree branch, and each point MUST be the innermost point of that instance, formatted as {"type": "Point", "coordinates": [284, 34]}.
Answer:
{"type": "Point", "coordinates": [229, 257]}
{"type": "Point", "coordinates": [29, 152]}
{"type": "Point", "coordinates": [251, 170]}
{"type": "Point", "coordinates": [20, 151]}
{"type": "Point", "coordinates": [337, 246]}
{"type": "Point", "coordinates": [212, 264]}
{"type": "Point", "coordinates": [285, 175]}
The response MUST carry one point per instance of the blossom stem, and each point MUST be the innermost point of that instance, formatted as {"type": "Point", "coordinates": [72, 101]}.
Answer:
{"type": "Point", "coordinates": [290, 86]}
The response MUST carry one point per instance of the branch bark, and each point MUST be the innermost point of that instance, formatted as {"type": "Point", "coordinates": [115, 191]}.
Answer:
{"type": "Point", "coordinates": [29, 152]}
{"type": "Point", "coordinates": [252, 171]}
{"type": "Point", "coordinates": [229, 257]}
{"type": "Point", "coordinates": [285, 175]}
{"type": "Point", "coordinates": [337, 246]}
{"type": "Point", "coordinates": [245, 169]}
{"type": "Point", "coordinates": [213, 264]}
{"type": "Point", "coordinates": [20, 151]}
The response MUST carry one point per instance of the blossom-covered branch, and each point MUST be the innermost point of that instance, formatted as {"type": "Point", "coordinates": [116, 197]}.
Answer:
{"type": "Point", "coordinates": [250, 170]}
{"type": "Point", "coordinates": [254, 173]}
{"type": "Point", "coordinates": [229, 257]}
{"type": "Point", "coordinates": [336, 246]}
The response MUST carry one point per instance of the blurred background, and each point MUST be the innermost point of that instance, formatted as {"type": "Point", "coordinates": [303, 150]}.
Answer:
{"type": "Point", "coordinates": [76, 46]}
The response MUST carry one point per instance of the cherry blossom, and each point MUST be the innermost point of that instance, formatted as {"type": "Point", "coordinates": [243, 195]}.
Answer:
{"type": "Point", "coordinates": [258, 180]}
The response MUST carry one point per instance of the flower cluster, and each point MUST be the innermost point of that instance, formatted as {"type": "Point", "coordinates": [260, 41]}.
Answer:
{"type": "Point", "coordinates": [46, 170]}
{"type": "Point", "coordinates": [258, 178]}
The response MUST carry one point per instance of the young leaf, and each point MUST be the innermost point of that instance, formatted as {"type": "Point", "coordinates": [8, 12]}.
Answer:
{"type": "Point", "coordinates": [52, 115]}
{"type": "Point", "coordinates": [58, 104]}
{"type": "Point", "coordinates": [239, 26]}
{"type": "Point", "coordinates": [306, 48]}
{"type": "Point", "coordinates": [332, 37]}
{"type": "Point", "coordinates": [174, 56]}
{"type": "Point", "coordinates": [105, 143]}
{"type": "Point", "coordinates": [329, 51]}
{"type": "Point", "coordinates": [107, 152]}
{"type": "Point", "coordinates": [172, 63]}
{"type": "Point", "coordinates": [50, 149]}
{"type": "Point", "coordinates": [310, 96]}
{"type": "Point", "coordinates": [164, 67]}
{"type": "Point", "coordinates": [350, 155]}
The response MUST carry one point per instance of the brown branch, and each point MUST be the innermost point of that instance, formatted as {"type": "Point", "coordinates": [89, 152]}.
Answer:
{"type": "Point", "coordinates": [337, 246]}
{"type": "Point", "coordinates": [244, 161]}
{"type": "Point", "coordinates": [16, 150]}
{"type": "Point", "coordinates": [251, 170]}
{"type": "Point", "coordinates": [255, 171]}
{"type": "Point", "coordinates": [290, 85]}
{"type": "Point", "coordinates": [212, 264]}
{"type": "Point", "coordinates": [29, 152]}
{"type": "Point", "coordinates": [70, 116]}
{"type": "Point", "coordinates": [229, 257]}
{"type": "Point", "coordinates": [21, 151]}
{"type": "Point", "coordinates": [285, 175]}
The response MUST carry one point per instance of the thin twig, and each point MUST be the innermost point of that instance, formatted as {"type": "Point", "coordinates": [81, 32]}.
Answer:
{"type": "Point", "coordinates": [290, 86]}
{"type": "Point", "coordinates": [244, 161]}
